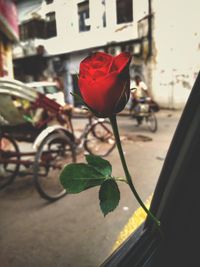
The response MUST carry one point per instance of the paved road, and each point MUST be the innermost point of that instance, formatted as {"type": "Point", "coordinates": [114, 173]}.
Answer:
{"type": "Point", "coordinates": [72, 232]}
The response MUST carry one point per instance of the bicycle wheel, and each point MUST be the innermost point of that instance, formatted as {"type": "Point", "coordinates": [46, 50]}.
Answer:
{"type": "Point", "coordinates": [9, 160]}
{"type": "Point", "coordinates": [99, 139]}
{"type": "Point", "coordinates": [54, 152]}
{"type": "Point", "coordinates": [152, 122]}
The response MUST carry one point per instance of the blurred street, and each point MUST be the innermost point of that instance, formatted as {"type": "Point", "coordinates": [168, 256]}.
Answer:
{"type": "Point", "coordinates": [73, 232]}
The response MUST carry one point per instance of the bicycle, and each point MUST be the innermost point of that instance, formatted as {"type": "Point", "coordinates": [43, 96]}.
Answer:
{"type": "Point", "coordinates": [60, 149]}
{"type": "Point", "coordinates": [142, 110]}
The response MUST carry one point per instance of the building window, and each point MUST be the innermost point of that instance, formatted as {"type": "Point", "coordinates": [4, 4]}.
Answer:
{"type": "Point", "coordinates": [42, 29]}
{"type": "Point", "coordinates": [32, 29]}
{"type": "Point", "coordinates": [48, 1]}
{"type": "Point", "coordinates": [51, 25]}
{"type": "Point", "coordinates": [84, 15]}
{"type": "Point", "coordinates": [124, 11]}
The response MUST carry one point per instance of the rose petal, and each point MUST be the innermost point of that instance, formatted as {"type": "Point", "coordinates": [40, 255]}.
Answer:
{"type": "Point", "coordinates": [103, 95]}
{"type": "Point", "coordinates": [98, 60]}
{"type": "Point", "coordinates": [120, 62]}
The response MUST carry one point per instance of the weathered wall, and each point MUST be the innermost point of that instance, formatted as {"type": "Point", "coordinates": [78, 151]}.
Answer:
{"type": "Point", "coordinates": [176, 60]}
{"type": "Point", "coordinates": [69, 39]}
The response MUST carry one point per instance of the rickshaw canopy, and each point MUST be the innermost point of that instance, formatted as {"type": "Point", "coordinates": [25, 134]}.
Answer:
{"type": "Point", "coordinates": [16, 96]}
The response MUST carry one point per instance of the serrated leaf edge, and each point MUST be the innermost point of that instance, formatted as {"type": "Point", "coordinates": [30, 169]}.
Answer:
{"type": "Point", "coordinates": [105, 213]}
{"type": "Point", "coordinates": [106, 176]}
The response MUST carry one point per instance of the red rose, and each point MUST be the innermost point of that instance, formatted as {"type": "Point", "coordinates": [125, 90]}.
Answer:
{"type": "Point", "coordinates": [104, 82]}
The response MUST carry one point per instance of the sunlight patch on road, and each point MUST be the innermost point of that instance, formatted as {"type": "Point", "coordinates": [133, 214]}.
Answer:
{"type": "Point", "coordinates": [133, 223]}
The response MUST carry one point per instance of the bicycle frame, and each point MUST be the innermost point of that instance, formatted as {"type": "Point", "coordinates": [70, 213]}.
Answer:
{"type": "Point", "coordinates": [91, 122]}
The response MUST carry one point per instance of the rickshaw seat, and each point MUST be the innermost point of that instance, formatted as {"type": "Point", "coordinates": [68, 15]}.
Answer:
{"type": "Point", "coordinates": [21, 132]}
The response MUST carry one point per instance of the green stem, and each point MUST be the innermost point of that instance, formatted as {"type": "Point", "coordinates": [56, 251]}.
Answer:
{"type": "Point", "coordinates": [113, 121]}
{"type": "Point", "coordinates": [121, 179]}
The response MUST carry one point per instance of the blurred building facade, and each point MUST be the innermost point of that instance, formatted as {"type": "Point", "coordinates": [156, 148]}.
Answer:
{"type": "Point", "coordinates": [8, 36]}
{"type": "Point", "coordinates": [176, 50]}
{"type": "Point", "coordinates": [56, 35]}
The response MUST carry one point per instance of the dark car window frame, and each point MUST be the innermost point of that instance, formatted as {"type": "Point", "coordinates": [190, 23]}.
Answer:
{"type": "Point", "coordinates": [175, 203]}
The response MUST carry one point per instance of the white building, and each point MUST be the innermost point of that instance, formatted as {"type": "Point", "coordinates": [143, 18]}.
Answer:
{"type": "Point", "coordinates": [165, 44]}
{"type": "Point", "coordinates": [176, 60]}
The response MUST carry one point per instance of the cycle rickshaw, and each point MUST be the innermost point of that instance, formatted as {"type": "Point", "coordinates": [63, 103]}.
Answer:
{"type": "Point", "coordinates": [145, 109]}
{"type": "Point", "coordinates": [52, 135]}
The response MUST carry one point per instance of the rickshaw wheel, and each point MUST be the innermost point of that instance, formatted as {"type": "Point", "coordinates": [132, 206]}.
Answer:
{"type": "Point", "coordinates": [99, 139]}
{"type": "Point", "coordinates": [9, 160]}
{"type": "Point", "coordinates": [55, 151]}
{"type": "Point", "coordinates": [152, 122]}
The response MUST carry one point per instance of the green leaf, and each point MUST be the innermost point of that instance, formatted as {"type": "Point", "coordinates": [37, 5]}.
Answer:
{"type": "Point", "coordinates": [109, 196]}
{"type": "Point", "coordinates": [100, 164]}
{"type": "Point", "coordinates": [77, 177]}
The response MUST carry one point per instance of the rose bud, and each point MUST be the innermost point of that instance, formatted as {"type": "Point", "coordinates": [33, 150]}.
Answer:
{"type": "Point", "coordinates": [104, 82]}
